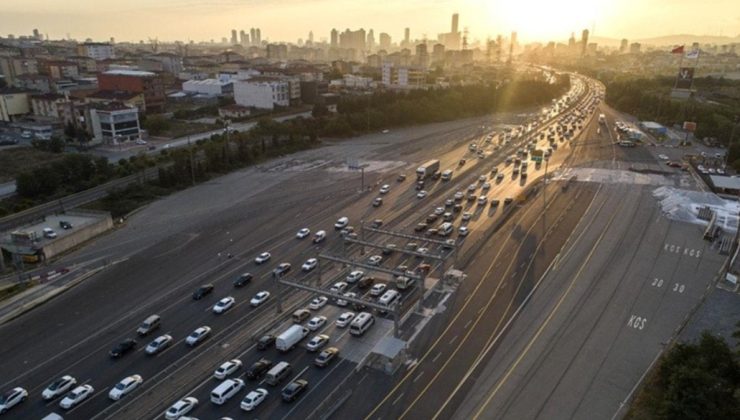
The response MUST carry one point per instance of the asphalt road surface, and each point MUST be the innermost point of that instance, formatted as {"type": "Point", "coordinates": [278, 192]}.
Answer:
{"type": "Point", "coordinates": [213, 232]}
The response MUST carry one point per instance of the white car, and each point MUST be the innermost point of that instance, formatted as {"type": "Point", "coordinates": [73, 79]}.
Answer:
{"type": "Point", "coordinates": [482, 179]}
{"type": "Point", "coordinates": [260, 298]}
{"type": "Point", "coordinates": [223, 305]}
{"type": "Point", "coordinates": [49, 233]}
{"type": "Point", "coordinates": [263, 257]}
{"type": "Point", "coordinates": [375, 260]}
{"type": "Point", "coordinates": [385, 189]}
{"type": "Point", "coordinates": [318, 303]}
{"type": "Point", "coordinates": [421, 194]}
{"type": "Point", "coordinates": [486, 186]}
{"type": "Point", "coordinates": [180, 408]}
{"type": "Point", "coordinates": [472, 187]}
{"type": "Point", "coordinates": [58, 387]}
{"type": "Point", "coordinates": [338, 287]}
{"type": "Point", "coordinates": [12, 398]}
{"type": "Point", "coordinates": [316, 322]}
{"type": "Point", "coordinates": [198, 335]}
{"type": "Point", "coordinates": [253, 399]}
{"type": "Point", "coordinates": [482, 200]}
{"type": "Point", "coordinates": [439, 211]}
{"type": "Point", "coordinates": [463, 230]}
{"type": "Point", "coordinates": [378, 289]}
{"type": "Point", "coordinates": [317, 342]}
{"type": "Point", "coordinates": [303, 233]}
{"type": "Point", "coordinates": [227, 368]}
{"type": "Point", "coordinates": [124, 387]}
{"type": "Point", "coordinates": [158, 344]}
{"type": "Point", "coordinates": [342, 302]}
{"type": "Point", "coordinates": [76, 396]}
{"type": "Point", "coordinates": [310, 264]}
{"type": "Point", "coordinates": [355, 276]}
{"type": "Point", "coordinates": [344, 319]}
{"type": "Point", "coordinates": [663, 157]}
{"type": "Point", "coordinates": [459, 195]}
{"type": "Point", "coordinates": [466, 216]}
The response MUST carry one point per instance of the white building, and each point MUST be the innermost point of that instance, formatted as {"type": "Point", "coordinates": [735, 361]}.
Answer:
{"type": "Point", "coordinates": [208, 87]}
{"type": "Point", "coordinates": [97, 50]}
{"type": "Point", "coordinates": [262, 92]}
{"type": "Point", "coordinates": [114, 123]}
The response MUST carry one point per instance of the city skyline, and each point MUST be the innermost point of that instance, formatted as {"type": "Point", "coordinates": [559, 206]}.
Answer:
{"type": "Point", "coordinates": [203, 20]}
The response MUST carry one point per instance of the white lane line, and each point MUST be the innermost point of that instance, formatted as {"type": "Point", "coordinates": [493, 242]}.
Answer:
{"type": "Point", "coordinates": [467, 324]}
{"type": "Point", "coordinates": [362, 379]}
{"type": "Point", "coordinates": [418, 377]}
{"type": "Point", "coordinates": [436, 357]}
{"type": "Point", "coordinates": [312, 388]}
{"type": "Point", "coordinates": [397, 399]}
{"type": "Point", "coordinates": [453, 339]}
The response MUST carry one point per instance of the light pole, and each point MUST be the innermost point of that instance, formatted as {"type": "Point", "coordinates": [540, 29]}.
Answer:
{"type": "Point", "coordinates": [732, 137]}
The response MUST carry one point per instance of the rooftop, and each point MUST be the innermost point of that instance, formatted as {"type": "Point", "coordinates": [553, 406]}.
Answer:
{"type": "Point", "coordinates": [133, 73]}
{"type": "Point", "coordinates": [725, 182]}
{"type": "Point", "coordinates": [208, 82]}
{"type": "Point", "coordinates": [112, 106]}
{"type": "Point", "coordinates": [114, 95]}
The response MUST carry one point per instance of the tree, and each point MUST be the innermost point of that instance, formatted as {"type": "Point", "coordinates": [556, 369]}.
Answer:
{"type": "Point", "coordinates": [157, 124]}
{"type": "Point", "coordinates": [319, 111]}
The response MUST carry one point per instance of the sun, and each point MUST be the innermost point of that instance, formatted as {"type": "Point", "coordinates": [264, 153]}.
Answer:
{"type": "Point", "coordinates": [542, 20]}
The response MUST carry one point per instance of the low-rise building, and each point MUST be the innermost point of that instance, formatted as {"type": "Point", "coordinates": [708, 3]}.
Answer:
{"type": "Point", "coordinates": [14, 103]}
{"type": "Point", "coordinates": [61, 69]}
{"type": "Point", "coordinates": [54, 106]}
{"type": "Point", "coordinates": [209, 87]}
{"type": "Point", "coordinates": [36, 82]}
{"type": "Point", "coordinates": [136, 81]}
{"type": "Point", "coordinates": [233, 111]}
{"type": "Point", "coordinates": [114, 123]}
{"type": "Point", "coordinates": [262, 92]}
{"type": "Point", "coordinates": [97, 50]}
{"type": "Point", "coordinates": [131, 99]}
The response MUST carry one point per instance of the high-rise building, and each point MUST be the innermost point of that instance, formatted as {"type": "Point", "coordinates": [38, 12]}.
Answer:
{"type": "Point", "coordinates": [243, 38]}
{"type": "Point", "coordinates": [353, 40]}
{"type": "Point", "coordinates": [385, 41]}
{"type": "Point", "coordinates": [406, 36]}
{"type": "Point", "coordinates": [370, 40]}
{"type": "Point", "coordinates": [455, 18]}
{"type": "Point", "coordinates": [334, 38]}
{"type": "Point", "coordinates": [422, 56]}
{"type": "Point", "coordinates": [253, 35]}
{"type": "Point", "coordinates": [635, 48]}
{"type": "Point", "coordinates": [572, 42]}
{"type": "Point", "coordinates": [258, 33]}
{"type": "Point", "coordinates": [438, 53]}
{"type": "Point", "coordinates": [623, 46]}
{"type": "Point", "coordinates": [451, 40]}
{"type": "Point", "coordinates": [233, 37]}
{"type": "Point", "coordinates": [499, 47]}
{"type": "Point", "coordinates": [584, 41]}
{"type": "Point", "coordinates": [310, 37]}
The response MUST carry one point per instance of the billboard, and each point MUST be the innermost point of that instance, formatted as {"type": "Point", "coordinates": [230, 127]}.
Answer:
{"type": "Point", "coordinates": [685, 78]}
{"type": "Point", "coordinates": [689, 126]}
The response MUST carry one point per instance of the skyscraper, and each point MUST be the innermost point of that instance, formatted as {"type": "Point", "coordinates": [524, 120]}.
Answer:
{"type": "Point", "coordinates": [385, 41]}
{"type": "Point", "coordinates": [584, 41]}
{"type": "Point", "coordinates": [370, 40]}
{"type": "Point", "coordinates": [258, 33]}
{"type": "Point", "coordinates": [624, 46]}
{"type": "Point", "coordinates": [422, 56]}
{"type": "Point", "coordinates": [455, 18]}
{"type": "Point", "coordinates": [233, 37]}
{"type": "Point", "coordinates": [253, 35]}
{"type": "Point", "coordinates": [334, 38]}
{"type": "Point", "coordinates": [243, 38]}
{"type": "Point", "coordinates": [310, 37]}
{"type": "Point", "coordinates": [407, 36]}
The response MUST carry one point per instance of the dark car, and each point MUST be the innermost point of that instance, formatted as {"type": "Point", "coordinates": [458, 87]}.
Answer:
{"type": "Point", "coordinates": [457, 208]}
{"type": "Point", "coordinates": [377, 223]}
{"type": "Point", "coordinates": [282, 268]}
{"type": "Point", "coordinates": [122, 348]}
{"type": "Point", "coordinates": [294, 389]}
{"type": "Point", "coordinates": [265, 341]}
{"type": "Point", "coordinates": [65, 225]}
{"type": "Point", "coordinates": [401, 178]}
{"type": "Point", "coordinates": [366, 282]}
{"type": "Point", "coordinates": [242, 280]}
{"type": "Point", "coordinates": [202, 291]}
{"type": "Point", "coordinates": [389, 249]}
{"type": "Point", "coordinates": [432, 218]}
{"type": "Point", "coordinates": [258, 369]}
{"type": "Point", "coordinates": [462, 162]}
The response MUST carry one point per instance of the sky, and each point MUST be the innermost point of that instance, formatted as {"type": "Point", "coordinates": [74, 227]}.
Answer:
{"type": "Point", "coordinates": [288, 20]}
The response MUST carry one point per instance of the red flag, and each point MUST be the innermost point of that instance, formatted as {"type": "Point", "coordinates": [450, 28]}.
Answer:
{"type": "Point", "coordinates": [677, 50]}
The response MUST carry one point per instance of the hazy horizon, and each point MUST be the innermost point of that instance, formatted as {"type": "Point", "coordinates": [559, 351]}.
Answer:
{"type": "Point", "coordinates": [203, 20]}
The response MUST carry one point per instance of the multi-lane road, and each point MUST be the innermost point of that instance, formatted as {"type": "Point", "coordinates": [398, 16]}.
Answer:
{"type": "Point", "coordinates": [211, 234]}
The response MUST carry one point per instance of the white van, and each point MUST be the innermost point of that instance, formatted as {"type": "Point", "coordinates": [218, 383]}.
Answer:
{"type": "Point", "coordinates": [226, 390]}
{"type": "Point", "coordinates": [447, 175]}
{"type": "Point", "coordinates": [341, 223]}
{"type": "Point", "coordinates": [278, 372]}
{"type": "Point", "coordinates": [389, 298]}
{"type": "Point", "coordinates": [445, 229]}
{"type": "Point", "coordinates": [319, 236]}
{"type": "Point", "coordinates": [362, 322]}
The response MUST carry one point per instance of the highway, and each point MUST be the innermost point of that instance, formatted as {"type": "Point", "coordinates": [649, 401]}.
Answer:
{"type": "Point", "coordinates": [169, 248]}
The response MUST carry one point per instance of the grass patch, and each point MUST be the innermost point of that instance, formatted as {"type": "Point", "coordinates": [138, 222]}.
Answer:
{"type": "Point", "coordinates": [15, 160]}
{"type": "Point", "coordinates": [180, 128]}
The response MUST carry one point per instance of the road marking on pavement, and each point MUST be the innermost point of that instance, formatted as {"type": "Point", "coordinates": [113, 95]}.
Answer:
{"type": "Point", "coordinates": [311, 389]}
{"type": "Point", "coordinates": [547, 320]}
{"type": "Point", "coordinates": [418, 376]}
{"type": "Point", "coordinates": [362, 379]}
{"type": "Point", "coordinates": [436, 357]}
{"type": "Point", "coordinates": [397, 398]}
{"type": "Point", "coordinates": [453, 339]}
{"type": "Point", "coordinates": [467, 324]}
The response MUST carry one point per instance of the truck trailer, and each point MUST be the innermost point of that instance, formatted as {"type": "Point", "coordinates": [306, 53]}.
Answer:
{"type": "Point", "coordinates": [427, 169]}
{"type": "Point", "coordinates": [290, 337]}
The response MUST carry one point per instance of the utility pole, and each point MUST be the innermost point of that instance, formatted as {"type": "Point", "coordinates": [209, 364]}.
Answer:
{"type": "Point", "coordinates": [732, 137]}
{"type": "Point", "coordinates": [192, 163]}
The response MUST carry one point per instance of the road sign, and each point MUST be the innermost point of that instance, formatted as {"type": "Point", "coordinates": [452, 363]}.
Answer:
{"type": "Point", "coordinates": [536, 155]}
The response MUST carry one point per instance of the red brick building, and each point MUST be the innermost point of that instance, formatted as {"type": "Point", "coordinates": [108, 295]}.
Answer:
{"type": "Point", "coordinates": [135, 81]}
